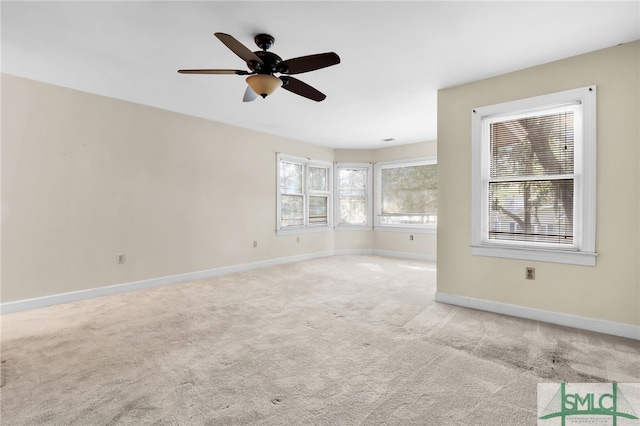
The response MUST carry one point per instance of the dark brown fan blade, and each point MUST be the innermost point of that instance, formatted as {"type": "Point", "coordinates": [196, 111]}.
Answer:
{"type": "Point", "coordinates": [308, 63]}
{"type": "Point", "coordinates": [238, 72]}
{"type": "Point", "coordinates": [301, 88]}
{"type": "Point", "coordinates": [238, 48]}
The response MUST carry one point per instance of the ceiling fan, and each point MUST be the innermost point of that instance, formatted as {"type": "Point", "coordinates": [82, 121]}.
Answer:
{"type": "Point", "coordinates": [263, 65]}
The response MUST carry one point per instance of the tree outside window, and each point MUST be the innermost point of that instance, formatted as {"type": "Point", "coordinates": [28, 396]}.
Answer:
{"type": "Point", "coordinates": [408, 195]}
{"type": "Point", "coordinates": [534, 178]}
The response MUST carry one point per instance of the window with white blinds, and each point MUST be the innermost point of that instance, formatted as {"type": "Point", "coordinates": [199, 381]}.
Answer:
{"type": "Point", "coordinates": [531, 177]}
{"type": "Point", "coordinates": [407, 194]}
{"type": "Point", "coordinates": [534, 178]}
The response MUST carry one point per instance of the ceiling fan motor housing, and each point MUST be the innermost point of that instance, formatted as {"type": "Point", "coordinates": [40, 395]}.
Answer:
{"type": "Point", "coordinates": [269, 65]}
{"type": "Point", "coordinates": [264, 41]}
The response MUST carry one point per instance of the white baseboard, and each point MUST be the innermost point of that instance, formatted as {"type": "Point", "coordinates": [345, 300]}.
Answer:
{"type": "Point", "coordinates": [74, 296]}
{"type": "Point", "coordinates": [386, 253]}
{"type": "Point", "coordinates": [354, 252]}
{"type": "Point", "coordinates": [405, 255]}
{"type": "Point", "coordinates": [584, 323]}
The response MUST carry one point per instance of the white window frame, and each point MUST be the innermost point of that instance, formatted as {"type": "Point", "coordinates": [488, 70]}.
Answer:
{"type": "Point", "coordinates": [306, 226]}
{"type": "Point", "coordinates": [368, 167]}
{"type": "Point", "coordinates": [378, 167]}
{"type": "Point", "coordinates": [582, 252]}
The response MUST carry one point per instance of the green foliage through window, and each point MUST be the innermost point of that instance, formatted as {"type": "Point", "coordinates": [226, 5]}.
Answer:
{"type": "Point", "coordinates": [409, 195]}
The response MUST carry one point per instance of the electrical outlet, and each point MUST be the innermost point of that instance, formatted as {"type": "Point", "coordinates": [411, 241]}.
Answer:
{"type": "Point", "coordinates": [255, 244]}
{"type": "Point", "coordinates": [121, 258]}
{"type": "Point", "coordinates": [410, 237]}
{"type": "Point", "coordinates": [531, 273]}
{"type": "Point", "coordinates": [297, 239]}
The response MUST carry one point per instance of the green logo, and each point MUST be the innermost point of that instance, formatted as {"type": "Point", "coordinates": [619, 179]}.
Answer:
{"type": "Point", "coordinates": [587, 401]}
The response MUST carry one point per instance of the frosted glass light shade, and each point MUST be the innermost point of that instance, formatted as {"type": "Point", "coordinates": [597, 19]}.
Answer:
{"type": "Point", "coordinates": [264, 84]}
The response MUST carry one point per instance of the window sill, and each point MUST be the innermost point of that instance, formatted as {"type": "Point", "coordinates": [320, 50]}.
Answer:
{"type": "Point", "coordinates": [307, 230]}
{"type": "Point", "coordinates": [353, 228]}
{"type": "Point", "coordinates": [409, 229]}
{"type": "Point", "coordinates": [534, 254]}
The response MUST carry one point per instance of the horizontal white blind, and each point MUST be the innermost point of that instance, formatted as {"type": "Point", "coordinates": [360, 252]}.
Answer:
{"type": "Point", "coordinates": [531, 177]}
{"type": "Point", "coordinates": [531, 211]}
{"type": "Point", "coordinates": [318, 209]}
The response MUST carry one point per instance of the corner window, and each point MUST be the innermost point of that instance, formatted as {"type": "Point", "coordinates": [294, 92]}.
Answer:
{"type": "Point", "coordinates": [407, 195]}
{"type": "Point", "coordinates": [304, 194]}
{"type": "Point", "coordinates": [353, 196]}
{"type": "Point", "coordinates": [534, 178]}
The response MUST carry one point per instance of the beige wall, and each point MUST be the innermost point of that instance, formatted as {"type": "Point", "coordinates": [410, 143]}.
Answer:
{"type": "Point", "coordinates": [85, 177]}
{"type": "Point", "coordinates": [608, 291]}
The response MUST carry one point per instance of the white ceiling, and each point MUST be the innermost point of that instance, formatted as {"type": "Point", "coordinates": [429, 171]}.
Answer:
{"type": "Point", "coordinates": [394, 55]}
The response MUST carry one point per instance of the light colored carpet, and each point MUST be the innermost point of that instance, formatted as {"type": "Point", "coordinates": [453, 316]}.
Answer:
{"type": "Point", "coordinates": [344, 340]}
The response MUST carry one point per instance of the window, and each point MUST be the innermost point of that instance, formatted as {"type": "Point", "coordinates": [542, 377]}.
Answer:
{"type": "Point", "coordinates": [534, 178]}
{"type": "Point", "coordinates": [407, 195]}
{"type": "Point", "coordinates": [304, 194]}
{"type": "Point", "coordinates": [353, 196]}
